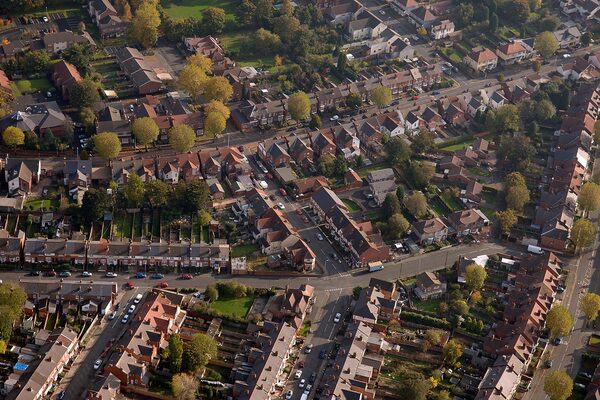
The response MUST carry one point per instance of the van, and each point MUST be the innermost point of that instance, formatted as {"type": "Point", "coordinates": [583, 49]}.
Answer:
{"type": "Point", "coordinates": [535, 249]}
{"type": "Point", "coordinates": [138, 298]}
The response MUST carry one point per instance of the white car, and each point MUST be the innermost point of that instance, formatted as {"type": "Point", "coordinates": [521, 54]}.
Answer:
{"type": "Point", "coordinates": [125, 318]}
{"type": "Point", "coordinates": [308, 348]}
{"type": "Point", "coordinates": [566, 56]}
{"type": "Point", "coordinates": [131, 309]}
{"type": "Point", "coordinates": [334, 118]}
{"type": "Point", "coordinates": [381, 12]}
{"type": "Point", "coordinates": [307, 389]}
{"type": "Point", "coordinates": [112, 315]}
{"type": "Point", "coordinates": [111, 275]}
{"type": "Point", "coordinates": [298, 374]}
{"type": "Point", "coordinates": [337, 318]}
{"type": "Point", "coordinates": [98, 363]}
{"type": "Point", "coordinates": [45, 19]}
{"type": "Point", "coordinates": [281, 206]}
{"type": "Point", "coordinates": [86, 274]}
{"type": "Point", "coordinates": [289, 394]}
{"type": "Point", "coordinates": [320, 237]}
{"type": "Point", "coordinates": [302, 383]}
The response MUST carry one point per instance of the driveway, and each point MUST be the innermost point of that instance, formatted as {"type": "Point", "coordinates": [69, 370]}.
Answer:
{"type": "Point", "coordinates": [171, 54]}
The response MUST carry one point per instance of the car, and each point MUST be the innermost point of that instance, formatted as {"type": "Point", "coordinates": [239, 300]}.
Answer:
{"type": "Point", "coordinates": [131, 108]}
{"type": "Point", "coordinates": [586, 375]}
{"type": "Point", "coordinates": [45, 19]}
{"type": "Point", "coordinates": [560, 289]}
{"type": "Point", "coordinates": [289, 394]}
{"type": "Point", "coordinates": [199, 295]}
{"type": "Point", "coordinates": [299, 211]}
{"type": "Point", "coordinates": [131, 309]}
{"type": "Point", "coordinates": [64, 274]}
{"type": "Point", "coordinates": [334, 256]}
{"type": "Point", "coordinates": [298, 374]}
{"type": "Point", "coordinates": [369, 196]}
{"type": "Point", "coordinates": [313, 377]}
{"type": "Point", "coordinates": [337, 318]}
{"type": "Point", "coordinates": [50, 273]}
{"type": "Point", "coordinates": [381, 12]}
{"type": "Point", "coordinates": [566, 55]}
{"type": "Point", "coordinates": [305, 220]}
{"type": "Point", "coordinates": [548, 363]}
{"type": "Point", "coordinates": [98, 363]}
{"type": "Point", "coordinates": [112, 315]}
{"type": "Point", "coordinates": [140, 275]}
{"type": "Point", "coordinates": [34, 273]}
{"type": "Point", "coordinates": [268, 175]}
{"type": "Point", "coordinates": [281, 206]}
{"type": "Point", "coordinates": [162, 285]}
{"type": "Point", "coordinates": [307, 389]}
{"type": "Point", "coordinates": [186, 276]}
{"type": "Point", "coordinates": [557, 341]}
{"type": "Point", "coordinates": [125, 319]}
{"type": "Point", "coordinates": [158, 276]}
{"type": "Point", "coordinates": [334, 118]}
{"type": "Point", "coordinates": [308, 348]}
{"type": "Point", "coordinates": [282, 192]}
{"type": "Point", "coordinates": [130, 285]}
{"type": "Point", "coordinates": [111, 275]}
{"type": "Point", "coordinates": [415, 97]}
{"type": "Point", "coordinates": [301, 364]}
{"type": "Point", "coordinates": [290, 129]}
{"type": "Point", "coordinates": [580, 385]}
{"type": "Point", "coordinates": [302, 383]}
{"type": "Point", "coordinates": [86, 274]}
{"type": "Point", "coordinates": [61, 395]}
{"type": "Point", "coordinates": [320, 237]}
{"type": "Point", "coordinates": [322, 354]}
{"type": "Point", "coordinates": [273, 197]}
{"type": "Point", "coordinates": [435, 92]}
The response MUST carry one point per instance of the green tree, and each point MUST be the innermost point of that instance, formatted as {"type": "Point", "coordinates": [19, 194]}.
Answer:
{"type": "Point", "coordinates": [315, 121]}
{"type": "Point", "coordinates": [182, 138]}
{"type": "Point", "coordinates": [81, 56]}
{"type": "Point", "coordinates": [590, 305]}
{"type": "Point", "coordinates": [342, 62]}
{"type": "Point", "coordinates": [453, 350]}
{"type": "Point", "coordinates": [197, 196]}
{"type": "Point", "coordinates": [145, 23]}
{"type": "Point", "coordinates": [145, 131]}
{"type": "Point", "coordinates": [475, 276]}
{"type": "Point", "coordinates": [589, 197]}
{"type": "Point", "coordinates": [175, 353]}
{"type": "Point", "coordinates": [286, 27]}
{"type": "Point", "coordinates": [400, 193]}
{"type": "Point", "coordinates": [597, 131]}
{"type": "Point", "coordinates": [340, 166]}
{"type": "Point", "coordinates": [558, 385]}
{"type": "Point", "coordinates": [134, 191]}
{"type": "Point", "coordinates": [559, 321]}
{"type": "Point", "coordinates": [507, 219]}
{"type": "Point", "coordinates": [381, 96]}
{"type": "Point", "coordinates": [94, 204]}
{"type": "Point", "coordinates": [184, 386]}
{"type": "Point", "coordinates": [549, 23]}
{"type": "Point", "coordinates": [433, 337]}
{"type": "Point", "coordinates": [326, 165]}
{"type": "Point", "coordinates": [545, 110]}
{"type": "Point", "coordinates": [391, 205]}
{"type": "Point", "coordinates": [398, 151]}
{"type": "Point", "coordinates": [546, 44]}
{"type": "Point", "coordinates": [416, 204]}
{"type": "Point", "coordinates": [416, 388]}
{"type": "Point", "coordinates": [517, 197]}
{"type": "Point", "coordinates": [265, 42]}
{"type": "Point", "coordinates": [504, 119]}
{"type": "Point", "coordinates": [459, 307]}
{"type": "Point", "coordinates": [87, 117]}
{"type": "Point", "coordinates": [107, 145]}
{"type": "Point", "coordinates": [465, 14]}
{"type": "Point", "coordinates": [299, 106]}
{"type": "Point", "coordinates": [213, 19]}
{"type": "Point", "coordinates": [211, 292]}
{"type": "Point", "coordinates": [36, 61]}
{"type": "Point", "coordinates": [13, 136]}
{"type": "Point", "coordinates": [398, 225]}
{"type": "Point", "coordinates": [198, 352]}
{"type": "Point", "coordinates": [353, 100]}
{"type": "Point", "coordinates": [421, 173]}
{"type": "Point", "coordinates": [583, 233]}
{"type": "Point", "coordinates": [516, 10]}
{"type": "Point", "coordinates": [218, 88]}
{"type": "Point", "coordinates": [422, 142]}
{"type": "Point", "coordinates": [214, 124]}
{"type": "Point", "coordinates": [586, 38]}
{"type": "Point", "coordinates": [493, 22]}
{"type": "Point", "coordinates": [157, 193]}
{"type": "Point", "coordinates": [84, 94]}
{"type": "Point", "coordinates": [536, 65]}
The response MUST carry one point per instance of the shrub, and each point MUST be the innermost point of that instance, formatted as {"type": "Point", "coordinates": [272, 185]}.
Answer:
{"type": "Point", "coordinates": [424, 320]}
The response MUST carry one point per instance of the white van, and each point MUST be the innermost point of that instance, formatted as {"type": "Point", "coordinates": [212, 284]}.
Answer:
{"type": "Point", "coordinates": [138, 298]}
{"type": "Point", "coordinates": [535, 249]}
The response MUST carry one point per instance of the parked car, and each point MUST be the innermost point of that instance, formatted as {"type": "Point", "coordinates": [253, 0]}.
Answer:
{"type": "Point", "coordinates": [289, 394]}
{"type": "Point", "coordinates": [112, 315]}
{"type": "Point", "coordinates": [307, 389]}
{"type": "Point", "coordinates": [320, 237]}
{"type": "Point", "coordinates": [86, 274]}
{"type": "Point", "coordinates": [34, 273]}
{"type": "Point", "coordinates": [162, 285]}
{"type": "Point", "coordinates": [186, 276]}
{"type": "Point", "coordinates": [435, 92]}
{"type": "Point", "coordinates": [125, 318]}
{"type": "Point", "coordinates": [302, 383]}
{"type": "Point", "coordinates": [334, 118]}
{"type": "Point", "coordinates": [131, 309]}
{"type": "Point", "coordinates": [98, 363]}
{"type": "Point", "coordinates": [140, 275]}
{"type": "Point", "coordinates": [298, 374]}
{"type": "Point", "coordinates": [64, 274]}
{"type": "Point", "coordinates": [130, 285]}
{"type": "Point", "coordinates": [281, 206]}
{"type": "Point", "coordinates": [282, 192]}
{"type": "Point", "coordinates": [50, 273]}
{"type": "Point", "coordinates": [337, 318]}
{"type": "Point", "coordinates": [61, 395]}
{"type": "Point", "coordinates": [313, 377]}
{"type": "Point", "coordinates": [158, 276]}
{"type": "Point", "coordinates": [308, 348]}
{"type": "Point", "coordinates": [111, 275]}
{"type": "Point", "coordinates": [322, 354]}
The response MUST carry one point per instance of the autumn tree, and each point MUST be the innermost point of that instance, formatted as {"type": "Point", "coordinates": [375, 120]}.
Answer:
{"type": "Point", "coordinates": [145, 131]}
{"type": "Point", "coordinates": [589, 197]}
{"type": "Point", "coordinates": [558, 385]}
{"type": "Point", "coordinates": [218, 107]}
{"type": "Point", "coordinates": [182, 138]}
{"type": "Point", "coordinates": [590, 305]}
{"type": "Point", "coordinates": [84, 93]}
{"type": "Point", "coordinates": [192, 79]}
{"type": "Point", "coordinates": [107, 145]}
{"type": "Point", "coordinates": [299, 106]}
{"type": "Point", "coordinates": [507, 219]}
{"type": "Point", "coordinates": [583, 233]}
{"type": "Point", "coordinates": [145, 23]}
{"type": "Point", "coordinates": [13, 136]}
{"type": "Point", "coordinates": [381, 96]}
{"type": "Point", "coordinates": [517, 193]}
{"type": "Point", "coordinates": [184, 386]}
{"type": "Point", "coordinates": [453, 350]}
{"type": "Point", "coordinates": [416, 204]}
{"type": "Point", "coordinates": [198, 352]}
{"type": "Point", "coordinates": [214, 123]}
{"type": "Point", "coordinates": [475, 276]}
{"type": "Point", "coordinates": [218, 88]}
{"type": "Point", "coordinates": [353, 100]}
{"type": "Point", "coordinates": [201, 61]}
{"type": "Point", "coordinates": [133, 191]}
{"type": "Point", "coordinates": [433, 337]}
{"type": "Point", "coordinates": [559, 321]}
{"type": "Point", "coordinates": [546, 44]}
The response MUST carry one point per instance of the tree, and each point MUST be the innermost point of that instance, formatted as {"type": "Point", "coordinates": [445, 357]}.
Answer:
{"type": "Point", "coordinates": [544, 110]}
{"type": "Point", "coordinates": [558, 385]}
{"type": "Point", "coordinates": [400, 193]}
{"type": "Point", "coordinates": [315, 121]}
{"type": "Point", "coordinates": [94, 204]}
{"type": "Point", "coordinates": [182, 138]}
{"type": "Point", "coordinates": [421, 173]}
{"type": "Point", "coordinates": [213, 19]}
{"type": "Point", "coordinates": [340, 166]}
{"type": "Point", "coordinates": [218, 107]}
{"type": "Point", "coordinates": [517, 197]}
{"type": "Point", "coordinates": [546, 44]}
{"type": "Point", "coordinates": [218, 88]}
{"type": "Point", "coordinates": [157, 193]}
{"type": "Point", "coordinates": [145, 23]}
{"type": "Point", "coordinates": [549, 23]}
{"type": "Point", "coordinates": [326, 165]}
{"type": "Point", "coordinates": [536, 65]}
{"type": "Point", "coordinates": [36, 61]}
{"type": "Point", "coordinates": [353, 100]}
{"type": "Point", "coordinates": [516, 10]}
{"type": "Point", "coordinates": [465, 14]}
{"type": "Point", "coordinates": [422, 142]}
{"type": "Point", "coordinates": [515, 152]}
{"type": "Point", "coordinates": [211, 292]}
{"type": "Point", "coordinates": [197, 195]}
{"type": "Point", "coordinates": [84, 93]}
{"type": "Point", "coordinates": [504, 119]}
{"type": "Point", "coordinates": [192, 79]}
{"type": "Point", "coordinates": [586, 38]}
{"type": "Point", "coordinates": [535, 4]}
{"type": "Point", "coordinates": [493, 22]}
{"type": "Point", "coordinates": [134, 191]}
{"type": "Point", "coordinates": [416, 204]}
{"type": "Point", "coordinates": [342, 63]}
{"type": "Point", "coordinates": [265, 42]}
{"type": "Point", "coordinates": [175, 353]}
{"type": "Point", "coordinates": [381, 96]}
{"type": "Point", "coordinates": [590, 305]}
{"type": "Point", "coordinates": [475, 276]}
{"type": "Point", "coordinates": [286, 27]}
{"type": "Point", "coordinates": [391, 205]}
{"type": "Point", "coordinates": [583, 233]}
{"type": "Point", "coordinates": [453, 350]}
{"type": "Point", "coordinates": [107, 145]}
{"type": "Point", "coordinates": [416, 388]}
{"type": "Point", "coordinates": [441, 395]}
{"type": "Point", "coordinates": [507, 219]}
{"type": "Point", "coordinates": [200, 60]}
{"type": "Point", "coordinates": [433, 337]}
{"type": "Point", "coordinates": [87, 117]}
{"type": "Point", "coordinates": [81, 56]}
{"type": "Point", "coordinates": [559, 321]}
{"type": "Point", "coordinates": [589, 197]}
{"type": "Point", "coordinates": [398, 225]}
{"type": "Point", "coordinates": [198, 352]}
{"type": "Point", "coordinates": [459, 307]}
{"type": "Point", "coordinates": [145, 131]}
{"type": "Point", "coordinates": [533, 129]}
{"type": "Point", "coordinates": [13, 136]}
{"type": "Point", "coordinates": [299, 106]}
{"type": "Point", "coordinates": [184, 386]}
{"type": "Point", "coordinates": [214, 123]}
{"type": "Point", "coordinates": [597, 131]}
{"type": "Point", "coordinates": [398, 151]}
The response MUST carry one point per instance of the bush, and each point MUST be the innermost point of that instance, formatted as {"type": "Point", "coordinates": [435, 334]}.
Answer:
{"type": "Point", "coordinates": [424, 320]}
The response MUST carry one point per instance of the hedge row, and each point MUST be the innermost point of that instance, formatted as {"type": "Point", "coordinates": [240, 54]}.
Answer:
{"type": "Point", "coordinates": [424, 320]}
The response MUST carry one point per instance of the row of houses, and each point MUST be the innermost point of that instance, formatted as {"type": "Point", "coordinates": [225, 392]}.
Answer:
{"type": "Point", "coordinates": [458, 224]}
{"type": "Point", "coordinates": [52, 43]}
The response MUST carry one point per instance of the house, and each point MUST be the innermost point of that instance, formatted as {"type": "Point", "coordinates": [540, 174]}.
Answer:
{"type": "Point", "coordinates": [104, 388]}
{"type": "Point", "coordinates": [512, 52]}
{"type": "Point", "coordinates": [421, 17]}
{"type": "Point", "coordinates": [467, 222]}
{"type": "Point", "coordinates": [291, 304]}
{"type": "Point", "coordinates": [380, 175]}
{"type": "Point", "coordinates": [112, 119]}
{"type": "Point", "coordinates": [381, 189]}
{"type": "Point", "coordinates": [301, 153]}
{"type": "Point", "coordinates": [54, 251]}
{"type": "Point", "coordinates": [143, 76]}
{"type": "Point", "coordinates": [209, 47]}
{"type": "Point", "coordinates": [184, 166]}
{"type": "Point", "coordinates": [273, 153]}
{"type": "Point", "coordinates": [37, 118]}
{"type": "Point", "coordinates": [322, 143]}
{"type": "Point", "coordinates": [99, 9]}
{"type": "Point", "coordinates": [365, 26]}
{"type": "Point", "coordinates": [428, 286]}
{"type": "Point", "coordinates": [404, 6]}
{"type": "Point", "coordinates": [241, 79]}
{"type": "Point", "coordinates": [5, 87]}
{"type": "Point", "coordinates": [501, 380]}
{"type": "Point", "coordinates": [77, 178]}
{"type": "Point", "coordinates": [121, 169]}
{"type": "Point", "coordinates": [372, 305]}
{"type": "Point", "coordinates": [11, 247]}
{"type": "Point", "coordinates": [65, 75]}
{"type": "Point", "coordinates": [567, 37]}
{"type": "Point", "coordinates": [309, 184]}
{"type": "Point", "coordinates": [481, 59]}
{"type": "Point", "coordinates": [352, 179]}
{"type": "Point", "coordinates": [343, 12]}
{"type": "Point", "coordinates": [441, 29]}
{"type": "Point", "coordinates": [21, 174]}
{"type": "Point", "coordinates": [56, 42]}
{"type": "Point", "coordinates": [433, 230]}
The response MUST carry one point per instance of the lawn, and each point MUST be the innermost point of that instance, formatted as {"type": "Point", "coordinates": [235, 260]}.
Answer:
{"type": "Point", "coordinates": [458, 146]}
{"type": "Point", "coordinates": [364, 171]}
{"type": "Point", "coordinates": [25, 86]}
{"type": "Point", "coordinates": [237, 45]}
{"type": "Point", "coordinates": [123, 224]}
{"type": "Point", "coordinates": [351, 204]}
{"type": "Point", "coordinates": [244, 250]}
{"type": "Point", "coordinates": [451, 201]}
{"type": "Point", "coordinates": [431, 305]}
{"type": "Point", "coordinates": [236, 307]}
{"type": "Point", "coordinates": [37, 204]}
{"type": "Point", "coordinates": [181, 9]}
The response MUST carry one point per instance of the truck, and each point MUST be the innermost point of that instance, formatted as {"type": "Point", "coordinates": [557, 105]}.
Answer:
{"type": "Point", "coordinates": [375, 266]}
{"type": "Point", "coordinates": [535, 249]}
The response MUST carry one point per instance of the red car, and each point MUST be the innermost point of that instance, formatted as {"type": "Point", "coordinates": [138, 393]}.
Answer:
{"type": "Point", "coordinates": [415, 97]}
{"type": "Point", "coordinates": [269, 175]}
{"type": "Point", "coordinates": [162, 285]}
{"type": "Point", "coordinates": [186, 276]}
{"type": "Point", "coordinates": [130, 285]}
{"type": "Point", "coordinates": [51, 273]}
{"type": "Point", "coordinates": [299, 211]}
{"type": "Point", "coordinates": [282, 192]}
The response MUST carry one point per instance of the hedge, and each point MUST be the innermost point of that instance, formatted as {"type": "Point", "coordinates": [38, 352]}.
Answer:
{"type": "Point", "coordinates": [424, 320]}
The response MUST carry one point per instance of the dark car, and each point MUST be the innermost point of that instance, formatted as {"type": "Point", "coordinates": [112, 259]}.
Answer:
{"type": "Point", "coordinates": [186, 276]}
{"type": "Point", "coordinates": [140, 275]}
{"type": "Point", "coordinates": [50, 273]}
{"type": "Point", "coordinates": [61, 395]}
{"type": "Point", "coordinates": [34, 273]}
{"type": "Point", "coordinates": [322, 354]}
{"type": "Point", "coordinates": [312, 378]}
{"type": "Point", "coordinates": [64, 274]}
{"type": "Point", "coordinates": [158, 276]}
